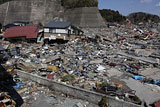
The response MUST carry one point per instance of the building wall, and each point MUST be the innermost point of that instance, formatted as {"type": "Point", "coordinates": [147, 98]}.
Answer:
{"type": "Point", "coordinates": [76, 36]}
{"type": "Point", "coordinates": [62, 31]}
{"type": "Point", "coordinates": [47, 30]}
{"type": "Point", "coordinates": [56, 36]}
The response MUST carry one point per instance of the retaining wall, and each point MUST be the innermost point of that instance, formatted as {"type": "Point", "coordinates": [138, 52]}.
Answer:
{"type": "Point", "coordinates": [90, 96]}
{"type": "Point", "coordinates": [45, 11]}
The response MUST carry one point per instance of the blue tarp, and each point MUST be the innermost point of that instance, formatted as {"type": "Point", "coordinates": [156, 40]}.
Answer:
{"type": "Point", "coordinates": [138, 77]}
{"type": "Point", "coordinates": [1, 48]}
{"type": "Point", "coordinates": [156, 81]}
{"type": "Point", "coordinates": [17, 86]}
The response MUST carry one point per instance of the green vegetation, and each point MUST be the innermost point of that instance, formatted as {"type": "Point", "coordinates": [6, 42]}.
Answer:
{"type": "Point", "coordinates": [135, 98]}
{"type": "Point", "coordinates": [143, 17]}
{"type": "Point", "coordinates": [112, 16]}
{"type": "Point", "coordinates": [103, 102]}
{"type": "Point", "coordinates": [3, 1]}
{"type": "Point", "coordinates": [104, 84]}
{"type": "Point", "coordinates": [79, 3]}
{"type": "Point", "coordinates": [68, 77]}
{"type": "Point", "coordinates": [40, 24]}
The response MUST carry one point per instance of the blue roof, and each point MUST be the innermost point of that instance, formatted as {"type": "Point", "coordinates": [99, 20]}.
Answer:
{"type": "Point", "coordinates": [58, 24]}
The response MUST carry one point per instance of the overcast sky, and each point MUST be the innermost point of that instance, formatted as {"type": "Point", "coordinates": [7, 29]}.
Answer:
{"type": "Point", "coordinates": [126, 7]}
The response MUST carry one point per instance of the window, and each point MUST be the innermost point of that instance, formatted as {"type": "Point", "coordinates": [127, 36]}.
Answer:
{"type": "Point", "coordinates": [73, 32]}
{"type": "Point", "coordinates": [52, 30]}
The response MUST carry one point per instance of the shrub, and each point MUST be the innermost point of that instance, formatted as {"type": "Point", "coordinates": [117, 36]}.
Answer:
{"type": "Point", "coordinates": [68, 77]}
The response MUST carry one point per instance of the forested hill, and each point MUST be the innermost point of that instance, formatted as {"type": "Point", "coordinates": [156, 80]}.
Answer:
{"type": "Point", "coordinates": [79, 3]}
{"type": "Point", "coordinates": [112, 16]}
{"type": "Point", "coordinates": [143, 17]}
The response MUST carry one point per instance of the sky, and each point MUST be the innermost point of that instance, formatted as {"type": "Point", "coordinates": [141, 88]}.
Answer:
{"type": "Point", "coordinates": [126, 7]}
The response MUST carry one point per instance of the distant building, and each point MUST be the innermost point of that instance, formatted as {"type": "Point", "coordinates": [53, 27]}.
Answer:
{"type": "Point", "coordinates": [29, 33]}
{"type": "Point", "coordinates": [61, 30]}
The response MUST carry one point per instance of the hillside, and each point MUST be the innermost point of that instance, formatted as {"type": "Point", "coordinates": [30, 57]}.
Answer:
{"type": "Point", "coordinates": [79, 3]}
{"type": "Point", "coordinates": [143, 17]}
{"type": "Point", "coordinates": [112, 16]}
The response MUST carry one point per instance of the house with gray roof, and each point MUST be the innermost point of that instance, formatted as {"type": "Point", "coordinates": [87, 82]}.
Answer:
{"type": "Point", "coordinates": [61, 30]}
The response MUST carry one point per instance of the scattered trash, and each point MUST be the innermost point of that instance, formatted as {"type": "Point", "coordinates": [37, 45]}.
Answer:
{"type": "Point", "coordinates": [105, 55]}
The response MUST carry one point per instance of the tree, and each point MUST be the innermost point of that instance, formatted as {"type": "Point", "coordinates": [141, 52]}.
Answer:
{"type": "Point", "coordinates": [4, 1]}
{"type": "Point", "coordinates": [143, 17]}
{"type": "Point", "coordinates": [79, 3]}
{"type": "Point", "coordinates": [112, 16]}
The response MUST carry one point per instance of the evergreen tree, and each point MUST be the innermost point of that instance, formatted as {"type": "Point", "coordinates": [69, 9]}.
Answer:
{"type": "Point", "coordinates": [79, 3]}
{"type": "Point", "coordinates": [112, 16]}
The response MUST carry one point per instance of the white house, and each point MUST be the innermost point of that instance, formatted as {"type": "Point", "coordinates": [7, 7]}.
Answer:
{"type": "Point", "coordinates": [61, 30]}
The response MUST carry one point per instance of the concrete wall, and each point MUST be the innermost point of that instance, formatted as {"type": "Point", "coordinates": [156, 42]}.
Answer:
{"type": "Point", "coordinates": [30, 10]}
{"type": "Point", "coordinates": [48, 10]}
{"type": "Point", "coordinates": [90, 96]}
{"type": "Point", "coordinates": [3, 12]}
{"type": "Point", "coordinates": [22, 10]}
{"type": "Point", "coordinates": [84, 17]}
{"type": "Point", "coordinates": [45, 10]}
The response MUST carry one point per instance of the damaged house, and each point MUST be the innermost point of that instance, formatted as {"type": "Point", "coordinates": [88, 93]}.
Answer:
{"type": "Point", "coordinates": [28, 33]}
{"type": "Point", "coordinates": [61, 31]}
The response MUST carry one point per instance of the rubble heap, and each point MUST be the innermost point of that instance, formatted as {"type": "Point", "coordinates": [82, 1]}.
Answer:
{"type": "Point", "coordinates": [120, 61]}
